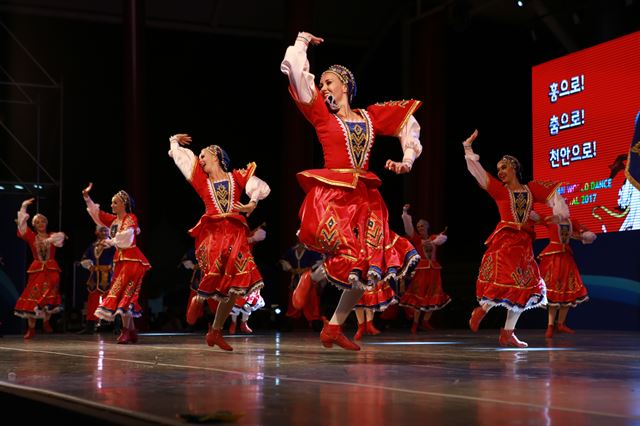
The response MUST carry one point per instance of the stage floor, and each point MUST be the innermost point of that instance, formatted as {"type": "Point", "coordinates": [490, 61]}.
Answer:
{"type": "Point", "coordinates": [443, 377]}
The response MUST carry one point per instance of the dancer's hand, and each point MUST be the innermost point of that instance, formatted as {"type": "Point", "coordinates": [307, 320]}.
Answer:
{"type": "Point", "coordinates": [397, 167]}
{"type": "Point", "coordinates": [246, 208]}
{"type": "Point", "coordinates": [406, 208]}
{"type": "Point", "coordinates": [310, 38]}
{"type": "Point", "coordinates": [470, 139]}
{"type": "Point", "coordinates": [28, 202]}
{"type": "Point", "coordinates": [181, 138]}
{"type": "Point", "coordinates": [85, 192]}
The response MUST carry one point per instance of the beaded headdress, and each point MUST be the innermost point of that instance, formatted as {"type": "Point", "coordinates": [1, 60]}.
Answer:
{"type": "Point", "coordinates": [346, 77]}
{"type": "Point", "coordinates": [514, 163]}
{"type": "Point", "coordinates": [221, 154]}
{"type": "Point", "coordinates": [126, 200]}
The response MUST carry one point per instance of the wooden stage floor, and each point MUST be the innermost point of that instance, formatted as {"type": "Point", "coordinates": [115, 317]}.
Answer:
{"type": "Point", "coordinates": [437, 378]}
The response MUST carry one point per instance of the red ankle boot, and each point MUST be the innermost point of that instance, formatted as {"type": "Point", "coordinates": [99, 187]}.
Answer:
{"type": "Point", "coordinates": [507, 338]}
{"type": "Point", "coordinates": [549, 333]}
{"type": "Point", "coordinates": [133, 335]}
{"type": "Point", "coordinates": [301, 292]}
{"type": "Point", "coordinates": [123, 339]}
{"type": "Point", "coordinates": [332, 333]}
{"type": "Point", "coordinates": [476, 316]}
{"type": "Point", "coordinates": [46, 327]}
{"type": "Point", "coordinates": [214, 337]}
{"type": "Point", "coordinates": [232, 327]}
{"type": "Point", "coordinates": [195, 310]}
{"type": "Point", "coordinates": [426, 326]}
{"type": "Point", "coordinates": [244, 327]}
{"type": "Point", "coordinates": [371, 329]}
{"type": "Point", "coordinates": [414, 328]}
{"type": "Point", "coordinates": [561, 328]}
{"type": "Point", "coordinates": [360, 332]}
{"type": "Point", "coordinates": [31, 331]}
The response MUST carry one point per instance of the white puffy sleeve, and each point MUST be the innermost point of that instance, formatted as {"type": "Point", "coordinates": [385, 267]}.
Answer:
{"type": "Point", "coordinates": [439, 240]}
{"type": "Point", "coordinates": [257, 189]}
{"type": "Point", "coordinates": [410, 141]}
{"type": "Point", "coordinates": [474, 166]}
{"type": "Point", "coordinates": [407, 221]}
{"type": "Point", "coordinates": [184, 158]}
{"type": "Point", "coordinates": [559, 206]}
{"type": "Point", "coordinates": [124, 239]}
{"type": "Point", "coordinates": [94, 211]}
{"type": "Point", "coordinates": [23, 216]}
{"type": "Point", "coordinates": [295, 65]}
{"type": "Point", "coordinates": [57, 239]}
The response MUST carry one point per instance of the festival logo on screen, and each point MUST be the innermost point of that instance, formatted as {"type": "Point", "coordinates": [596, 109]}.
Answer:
{"type": "Point", "coordinates": [586, 111]}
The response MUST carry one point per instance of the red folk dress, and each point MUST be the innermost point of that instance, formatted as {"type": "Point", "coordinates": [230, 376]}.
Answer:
{"type": "Point", "coordinates": [41, 295]}
{"type": "Point", "coordinates": [222, 249]}
{"type": "Point", "coordinates": [425, 291]}
{"type": "Point", "coordinates": [129, 267]}
{"type": "Point", "coordinates": [509, 275]}
{"type": "Point", "coordinates": [558, 268]}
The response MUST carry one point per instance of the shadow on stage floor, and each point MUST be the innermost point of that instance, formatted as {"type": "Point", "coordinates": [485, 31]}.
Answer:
{"type": "Point", "coordinates": [436, 378]}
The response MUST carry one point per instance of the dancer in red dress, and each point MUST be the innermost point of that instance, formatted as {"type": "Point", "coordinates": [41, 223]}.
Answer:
{"type": "Point", "coordinates": [565, 288]}
{"type": "Point", "coordinates": [297, 260]}
{"type": "Point", "coordinates": [222, 248]}
{"type": "Point", "coordinates": [425, 293]}
{"type": "Point", "coordinates": [130, 264]}
{"type": "Point", "coordinates": [343, 215]}
{"type": "Point", "coordinates": [41, 296]}
{"type": "Point", "coordinates": [509, 276]}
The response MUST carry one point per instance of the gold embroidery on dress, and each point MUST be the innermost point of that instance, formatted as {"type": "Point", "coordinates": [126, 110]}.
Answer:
{"type": "Point", "coordinates": [636, 148]}
{"type": "Point", "coordinates": [223, 195]}
{"type": "Point", "coordinates": [486, 269]}
{"type": "Point", "coordinates": [374, 235]}
{"type": "Point", "coordinates": [328, 235]}
{"type": "Point", "coordinates": [522, 278]}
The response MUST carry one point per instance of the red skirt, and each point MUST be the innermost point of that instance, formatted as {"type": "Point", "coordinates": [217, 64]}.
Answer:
{"type": "Point", "coordinates": [425, 291]}
{"type": "Point", "coordinates": [124, 292]}
{"type": "Point", "coordinates": [41, 296]}
{"type": "Point", "coordinates": [564, 284]}
{"type": "Point", "coordinates": [225, 260]}
{"type": "Point", "coordinates": [350, 226]}
{"type": "Point", "coordinates": [378, 299]}
{"type": "Point", "coordinates": [509, 275]}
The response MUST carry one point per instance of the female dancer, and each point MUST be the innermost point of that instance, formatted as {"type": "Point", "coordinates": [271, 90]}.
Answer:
{"type": "Point", "coordinates": [343, 215]}
{"type": "Point", "coordinates": [565, 288]}
{"type": "Point", "coordinates": [41, 296]}
{"type": "Point", "coordinates": [425, 292]}
{"type": "Point", "coordinates": [509, 275]}
{"type": "Point", "coordinates": [130, 264]}
{"type": "Point", "coordinates": [222, 247]}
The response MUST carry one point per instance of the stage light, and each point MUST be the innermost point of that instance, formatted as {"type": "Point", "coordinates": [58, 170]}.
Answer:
{"type": "Point", "coordinates": [36, 186]}
{"type": "Point", "coordinates": [278, 311]}
{"type": "Point", "coordinates": [18, 186]}
{"type": "Point", "coordinates": [1, 188]}
{"type": "Point", "coordinates": [520, 3]}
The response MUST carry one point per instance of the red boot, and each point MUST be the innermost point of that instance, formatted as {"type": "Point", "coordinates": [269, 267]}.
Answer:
{"type": "Point", "coordinates": [332, 333]}
{"type": "Point", "coordinates": [244, 327]}
{"type": "Point", "coordinates": [476, 316]}
{"type": "Point", "coordinates": [31, 331]}
{"type": "Point", "coordinates": [426, 326]}
{"type": "Point", "coordinates": [232, 326]}
{"type": "Point", "coordinates": [214, 337]}
{"type": "Point", "coordinates": [133, 335]}
{"type": "Point", "coordinates": [195, 310]}
{"type": "Point", "coordinates": [414, 328]}
{"type": "Point", "coordinates": [123, 339]}
{"type": "Point", "coordinates": [371, 329]}
{"type": "Point", "coordinates": [549, 333]}
{"type": "Point", "coordinates": [46, 327]}
{"type": "Point", "coordinates": [561, 328]}
{"type": "Point", "coordinates": [360, 332]}
{"type": "Point", "coordinates": [301, 292]}
{"type": "Point", "coordinates": [507, 338]}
